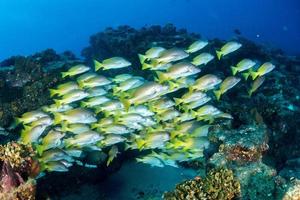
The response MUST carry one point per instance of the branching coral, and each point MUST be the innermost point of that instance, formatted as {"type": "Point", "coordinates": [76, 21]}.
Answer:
{"type": "Point", "coordinates": [219, 184]}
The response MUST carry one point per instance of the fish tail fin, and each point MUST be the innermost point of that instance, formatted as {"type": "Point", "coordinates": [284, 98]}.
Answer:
{"type": "Point", "coordinates": [173, 134]}
{"type": "Point", "coordinates": [18, 120]}
{"type": "Point", "coordinates": [146, 66]}
{"type": "Point", "coordinates": [68, 142]}
{"type": "Point", "coordinates": [140, 143]}
{"type": "Point", "coordinates": [98, 65]}
{"type": "Point", "coordinates": [116, 90]}
{"type": "Point", "coordinates": [161, 77]}
{"type": "Point", "coordinates": [177, 101]}
{"type": "Point", "coordinates": [58, 117]}
{"type": "Point", "coordinates": [254, 75]}
{"type": "Point", "coordinates": [234, 70]}
{"type": "Point", "coordinates": [64, 126]}
{"type": "Point", "coordinates": [219, 54]}
{"type": "Point", "coordinates": [173, 85]}
{"type": "Point", "coordinates": [64, 74]}
{"type": "Point", "coordinates": [40, 149]}
{"type": "Point", "coordinates": [58, 102]}
{"type": "Point", "coordinates": [250, 92]}
{"type": "Point", "coordinates": [81, 84]}
{"type": "Point", "coordinates": [142, 58]}
{"type": "Point", "coordinates": [83, 104]}
{"type": "Point", "coordinates": [218, 94]}
{"type": "Point", "coordinates": [52, 92]}
{"type": "Point", "coordinates": [126, 103]}
{"type": "Point", "coordinates": [246, 75]}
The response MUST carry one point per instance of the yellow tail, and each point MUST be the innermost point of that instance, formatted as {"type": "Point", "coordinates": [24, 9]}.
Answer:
{"type": "Point", "coordinates": [58, 117]}
{"type": "Point", "coordinates": [98, 65]}
{"type": "Point", "coordinates": [234, 70]}
{"type": "Point", "coordinates": [161, 77]}
{"type": "Point", "coordinates": [64, 74]}
{"type": "Point", "coordinates": [177, 101]}
{"type": "Point", "coordinates": [218, 94]}
{"type": "Point", "coordinates": [142, 58]}
{"type": "Point", "coordinates": [58, 103]}
{"type": "Point", "coordinates": [219, 54]}
{"type": "Point", "coordinates": [140, 143]}
{"type": "Point", "coordinates": [126, 103]}
{"type": "Point", "coordinates": [246, 75]}
{"type": "Point", "coordinates": [146, 66]}
{"type": "Point", "coordinates": [254, 75]}
{"type": "Point", "coordinates": [173, 85]}
{"type": "Point", "coordinates": [52, 92]}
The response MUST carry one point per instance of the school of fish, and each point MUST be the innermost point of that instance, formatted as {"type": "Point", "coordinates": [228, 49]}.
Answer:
{"type": "Point", "coordinates": [92, 112]}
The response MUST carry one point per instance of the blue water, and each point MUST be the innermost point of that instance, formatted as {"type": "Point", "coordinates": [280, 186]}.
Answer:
{"type": "Point", "coordinates": [27, 26]}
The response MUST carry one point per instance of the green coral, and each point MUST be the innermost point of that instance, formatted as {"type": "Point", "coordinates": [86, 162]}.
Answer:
{"type": "Point", "coordinates": [219, 184]}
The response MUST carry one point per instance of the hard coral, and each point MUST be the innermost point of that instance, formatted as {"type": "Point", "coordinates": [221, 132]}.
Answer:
{"type": "Point", "coordinates": [219, 184]}
{"type": "Point", "coordinates": [18, 155]}
{"type": "Point", "coordinates": [24, 191]}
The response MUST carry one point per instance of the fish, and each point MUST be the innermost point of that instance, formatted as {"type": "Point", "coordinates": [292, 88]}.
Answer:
{"type": "Point", "coordinates": [141, 110]}
{"type": "Point", "coordinates": [153, 140]}
{"type": "Point", "coordinates": [109, 106]}
{"type": "Point", "coordinates": [190, 97]}
{"type": "Point", "coordinates": [55, 154]}
{"type": "Point", "coordinates": [190, 144]}
{"type": "Point", "coordinates": [76, 128]}
{"type": "Point", "coordinates": [75, 70]}
{"type": "Point", "coordinates": [195, 104]}
{"type": "Point", "coordinates": [46, 121]}
{"type": "Point", "coordinates": [202, 59]}
{"type": "Point", "coordinates": [121, 77]}
{"type": "Point", "coordinates": [95, 82]}
{"type": "Point", "coordinates": [53, 139]}
{"type": "Point", "coordinates": [56, 166]}
{"type": "Point", "coordinates": [145, 93]}
{"type": "Point", "coordinates": [111, 63]}
{"type": "Point", "coordinates": [112, 139]}
{"type": "Point", "coordinates": [167, 115]}
{"type": "Point", "coordinates": [71, 97]}
{"type": "Point", "coordinates": [228, 48]}
{"type": "Point", "coordinates": [243, 65]}
{"type": "Point", "coordinates": [112, 154]}
{"type": "Point", "coordinates": [178, 70]}
{"type": "Point", "coordinates": [256, 84]}
{"type": "Point", "coordinates": [77, 115]}
{"type": "Point", "coordinates": [94, 101]}
{"type": "Point", "coordinates": [180, 83]}
{"type": "Point", "coordinates": [226, 85]}
{"type": "Point", "coordinates": [151, 160]}
{"type": "Point", "coordinates": [151, 53]}
{"type": "Point", "coordinates": [205, 83]}
{"type": "Point", "coordinates": [64, 88]}
{"type": "Point", "coordinates": [206, 110]}
{"type": "Point", "coordinates": [128, 84]}
{"type": "Point", "coordinates": [31, 135]}
{"type": "Point", "coordinates": [129, 118]}
{"type": "Point", "coordinates": [103, 122]}
{"type": "Point", "coordinates": [186, 116]}
{"type": "Point", "coordinates": [171, 55]}
{"type": "Point", "coordinates": [96, 91]}
{"type": "Point", "coordinates": [86, 76]}
{"type": "Point", "coordinates": [161, 104]}
{"type": "Point", "coordinates": [156, 67]}
{"type": "Point", "coordinates": [196, 46]}
{"type": "Point", "coordinates": [53, 108]}
{"type": "Point", "coordinates": [84, 139]}
{"type": "Point", "coordinates": [265, 68]}
{"type": "Point", "coordinates": [118, 129]}
{"type": "Point", "coordinates": [30, 117]}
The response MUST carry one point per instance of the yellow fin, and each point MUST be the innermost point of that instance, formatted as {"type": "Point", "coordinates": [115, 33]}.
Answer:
{"type": "Point", "coordinates": [98, 65]}
{"type": "Point", "coordinates": [219, 54]}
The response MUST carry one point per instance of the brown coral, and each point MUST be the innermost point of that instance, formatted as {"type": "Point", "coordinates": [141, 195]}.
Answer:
{"type": "Point", "coordinates": [18, 155]}
{"type": "Point", "coordinates": [219, 184]}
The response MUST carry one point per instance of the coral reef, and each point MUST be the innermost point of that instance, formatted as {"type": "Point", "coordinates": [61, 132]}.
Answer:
{"type": "Point", "coordinates": [17, 166]}
{"type": "Point", "coordinates": [24, 81]}
{"type": "Point", "coordinates": [219, 184]}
